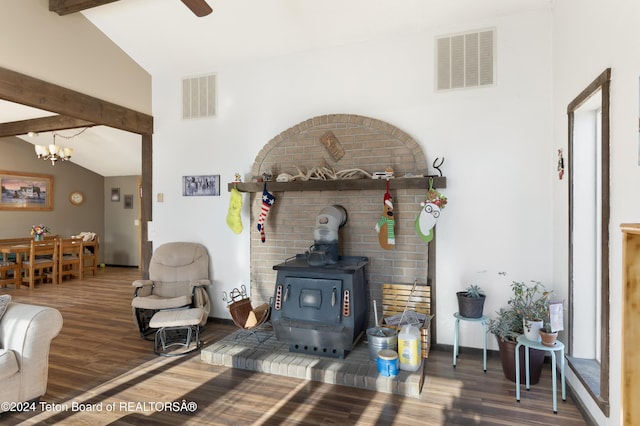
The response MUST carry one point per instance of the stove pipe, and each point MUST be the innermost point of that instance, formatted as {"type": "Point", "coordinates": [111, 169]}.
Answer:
{"type": "Point", "coordinates": [325, 233]}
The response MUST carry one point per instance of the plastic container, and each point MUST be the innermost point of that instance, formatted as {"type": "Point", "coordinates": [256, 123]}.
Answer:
{"type": "Point", "coordinates": [409, 348]}
{"type": "Point", "coordinates": [388, 362]}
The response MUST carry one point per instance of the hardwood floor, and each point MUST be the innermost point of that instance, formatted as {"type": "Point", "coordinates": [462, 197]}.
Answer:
{"type": "Point", "coordinates": [98, 362]}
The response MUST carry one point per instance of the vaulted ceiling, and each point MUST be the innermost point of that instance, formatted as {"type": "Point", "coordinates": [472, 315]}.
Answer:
{"type": "Point", "coordinates": [165, 34]}
{"type": "Point", "coordinates": [68, 110]}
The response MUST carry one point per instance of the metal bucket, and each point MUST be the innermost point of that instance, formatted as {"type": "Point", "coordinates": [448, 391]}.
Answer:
{"type": "Point", "coordinates": [380, 338]}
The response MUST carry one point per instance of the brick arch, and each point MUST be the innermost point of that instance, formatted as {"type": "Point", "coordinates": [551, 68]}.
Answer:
{"type": "Point", "coordinates": [360, 136]}
{"type": "Point", "coordinates": [369, 144]}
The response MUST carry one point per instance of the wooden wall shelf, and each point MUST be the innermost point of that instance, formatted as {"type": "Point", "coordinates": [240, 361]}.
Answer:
{"type": "Point", "coordinates": [342, 184]}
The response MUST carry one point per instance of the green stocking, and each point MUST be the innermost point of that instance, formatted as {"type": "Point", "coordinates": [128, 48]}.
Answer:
{"type": "Point", "coordinates": [233, 215]}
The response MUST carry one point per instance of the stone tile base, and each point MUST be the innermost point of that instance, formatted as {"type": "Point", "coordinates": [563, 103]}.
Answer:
{"type": "Point", "coordinates": [260, 351]}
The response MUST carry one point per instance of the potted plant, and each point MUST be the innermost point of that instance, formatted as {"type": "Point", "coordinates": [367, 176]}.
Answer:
{"type": "Point", "coordinates": [471, 302]}
{"type": "Point", "coordinates": [547, 335]}
{"type": "Point", "coordinates": [509, 325]}
{"type": "Point", "coordinates": [531, 302]}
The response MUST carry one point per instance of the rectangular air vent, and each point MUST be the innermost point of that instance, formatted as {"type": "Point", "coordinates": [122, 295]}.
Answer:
{"type": "Point", "coordinates": [199, 97]}
{"type": "Point", "coordinates": [465, 60]}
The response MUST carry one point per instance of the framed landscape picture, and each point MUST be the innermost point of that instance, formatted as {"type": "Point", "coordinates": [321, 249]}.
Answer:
{"type": "Point", "coordinates": [26, 191]}
{"type": "Point", "coordinates": [203, 185]}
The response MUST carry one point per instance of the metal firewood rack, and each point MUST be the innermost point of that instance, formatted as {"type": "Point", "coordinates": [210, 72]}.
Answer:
{"type": "Point", "coordinates": [244, 315]}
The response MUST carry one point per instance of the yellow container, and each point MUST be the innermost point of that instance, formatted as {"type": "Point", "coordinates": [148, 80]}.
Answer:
{"type": "Point", "coordinates": [409, 348]}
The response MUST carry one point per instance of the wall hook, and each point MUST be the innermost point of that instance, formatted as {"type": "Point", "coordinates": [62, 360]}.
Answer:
{"type": "Point", "coordinates": [437, 165]}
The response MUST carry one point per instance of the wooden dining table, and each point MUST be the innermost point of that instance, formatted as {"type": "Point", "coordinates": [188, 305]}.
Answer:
{"type": "Point", "coordinates": [20, 250]}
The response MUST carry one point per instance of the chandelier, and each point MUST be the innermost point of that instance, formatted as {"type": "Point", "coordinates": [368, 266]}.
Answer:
{"type": "Point", "coordinates": [54, 152]}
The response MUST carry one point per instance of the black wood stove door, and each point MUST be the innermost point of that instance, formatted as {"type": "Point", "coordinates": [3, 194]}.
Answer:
{"type": "Point", "coordinates": [312, 299]}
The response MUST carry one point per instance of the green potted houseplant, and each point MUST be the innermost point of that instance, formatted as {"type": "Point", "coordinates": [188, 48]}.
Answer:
{"type": "Point", "coordinates": [509, 324]}
{"type": "Point", "coordinates": [471, 302]}
{"type": "Point", "coordinates": [531, 302]}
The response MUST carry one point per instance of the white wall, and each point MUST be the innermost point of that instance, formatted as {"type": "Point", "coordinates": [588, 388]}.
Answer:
{"type": "Point", "coordinates": [496, 140]}
{"type": "Point", "coordinates": [590, 36]}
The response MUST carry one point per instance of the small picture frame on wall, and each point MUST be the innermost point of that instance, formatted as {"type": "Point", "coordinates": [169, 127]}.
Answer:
{"type": "Point", "coordinates": [128, 201]}
{"type": "Point", "coordinates": [201, 185]}
{"type": "Point", "coordinates": [115, 194]}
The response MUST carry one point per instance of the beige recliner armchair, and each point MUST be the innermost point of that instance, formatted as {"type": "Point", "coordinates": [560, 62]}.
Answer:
{"type": "Point", "coordinates": [178, 278]}
{"type": "Point", "coordinates": [26, 332]}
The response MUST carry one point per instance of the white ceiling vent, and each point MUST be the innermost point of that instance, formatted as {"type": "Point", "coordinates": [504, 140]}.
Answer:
{"type": "Point", "coordinates": [465, 60]}
{"type": "Point", "coordinates": [199, 97]}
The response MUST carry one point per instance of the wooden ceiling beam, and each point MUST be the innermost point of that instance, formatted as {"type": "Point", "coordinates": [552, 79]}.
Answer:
{"type": "Point", "coordinates": [43, 124]}
{"type": "Point", "coordinates": [25, 90]}
{"type": "Point", "coordinates": [65, 7]}
{"type": "Point", "coordinates": [200, 8]}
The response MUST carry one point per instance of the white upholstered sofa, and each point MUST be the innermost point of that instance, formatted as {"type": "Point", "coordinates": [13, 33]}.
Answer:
{"type": "Point", "coordinates": [26, 332]}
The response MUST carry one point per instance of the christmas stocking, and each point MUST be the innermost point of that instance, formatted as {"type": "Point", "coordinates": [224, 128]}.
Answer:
{"type": "Point", "coordinates": [233, 215]}
{"type": "Point", "coordinates": [429, 213]}
{"type": "Point", "coordinates": [267, 201]}
{"type": "Point", "coordinates": [426, 220]}
{"type": "Point", "coordinates": [386, 224]}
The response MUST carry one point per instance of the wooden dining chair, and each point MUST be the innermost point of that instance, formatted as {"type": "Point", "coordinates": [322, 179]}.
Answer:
{"type": "Point", "coordinates": [90, 255]}
{"type": "Point", "coordinates": [41, 263]}
{"type": "Point", "coordinates": [9, 274]}
{"type": "Point", "coordinates": [70, 259]}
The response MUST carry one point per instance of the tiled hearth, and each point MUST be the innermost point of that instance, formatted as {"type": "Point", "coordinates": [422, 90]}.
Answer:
{"type": "Point", "coordinates": [261, 352]}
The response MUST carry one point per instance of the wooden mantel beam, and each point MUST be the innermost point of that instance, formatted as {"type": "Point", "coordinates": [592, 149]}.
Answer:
{"type": "Point", "coordinates": [44, 124]}
{"type": "Point", "coordinates": [25, 90]}
{"type": "Point", "coordinates": [65, 7]}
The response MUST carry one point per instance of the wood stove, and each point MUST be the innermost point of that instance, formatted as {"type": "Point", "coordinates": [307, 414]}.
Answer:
{"type": "Point", "coordinates": [320, 309]}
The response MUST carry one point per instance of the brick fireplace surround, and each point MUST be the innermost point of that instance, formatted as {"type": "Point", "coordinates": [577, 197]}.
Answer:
{"type": "Point", "coordinates": [369, 144]}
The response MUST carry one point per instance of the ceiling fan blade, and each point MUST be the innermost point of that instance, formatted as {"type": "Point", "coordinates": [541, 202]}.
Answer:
{"type": "Point", "coordinates": [199, 7]}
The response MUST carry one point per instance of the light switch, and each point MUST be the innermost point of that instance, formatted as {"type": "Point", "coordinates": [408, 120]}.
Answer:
{"type": "Point", "coordinates": [160, 197]}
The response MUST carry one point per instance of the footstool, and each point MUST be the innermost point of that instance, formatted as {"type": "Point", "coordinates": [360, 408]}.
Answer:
{"type": "Point", "coordinates": [180, 320]}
